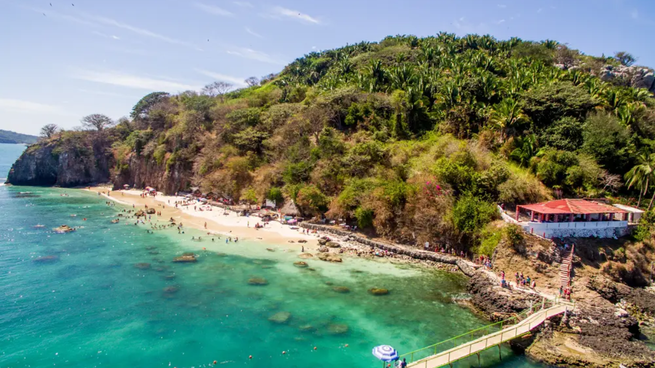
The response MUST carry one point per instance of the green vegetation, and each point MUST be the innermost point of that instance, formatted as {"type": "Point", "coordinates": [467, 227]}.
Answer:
{"type": "Point", "coordinates": [12, 137]}
{"type": "Point", "coordinates": [415, 139]}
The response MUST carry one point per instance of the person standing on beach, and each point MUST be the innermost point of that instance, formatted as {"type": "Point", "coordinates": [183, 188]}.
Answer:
{"type": "Point", "coordinates": [205, 226]}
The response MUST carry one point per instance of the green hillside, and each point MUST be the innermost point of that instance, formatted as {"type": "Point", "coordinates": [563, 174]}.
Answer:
{"type": "Point", "coordinates": [410, 138]}
{"type": "Point", "coordinates": [12, 137]}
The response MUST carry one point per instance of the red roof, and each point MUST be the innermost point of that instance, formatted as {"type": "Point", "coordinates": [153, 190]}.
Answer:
{"type": "Point", "coordinates": [576, 206]}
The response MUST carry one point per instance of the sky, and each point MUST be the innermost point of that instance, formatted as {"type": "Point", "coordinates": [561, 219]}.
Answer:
{"type": "Point", "coordinates": [62, 60]}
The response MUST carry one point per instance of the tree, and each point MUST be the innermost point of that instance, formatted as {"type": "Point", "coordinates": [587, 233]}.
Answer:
{"type": "Point", "coordinates": [142, 108]}
{"type": "Point", "coordinates": [641, 175]}
{"type": "Point", "coordinates": [252, 81]}
{"type": "Point", "coordinates": [49, 130]}
{"type": "Point", "coordinates": [625, 58]}
{"type": "Point", "coordinates": [217, 88]}
{"type": "Point", "coordinates": [249, 196]}
{"type": "Point", "coordinates": [507, 116]}
{"type": "Point", "coordinates": [311, 200]}
{"type": "Point", "coordinates": [97, 121]}
{"type": "Point", "coordinates": [608, 141]}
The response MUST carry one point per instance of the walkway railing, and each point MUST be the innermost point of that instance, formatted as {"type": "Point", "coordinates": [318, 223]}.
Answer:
{"type": "Point", "coordinates": [473, 342]}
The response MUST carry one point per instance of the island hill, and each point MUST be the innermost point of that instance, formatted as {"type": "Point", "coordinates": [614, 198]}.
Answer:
{"type": "Point", "coordinates": [7, 136]}
{"type": "Point", "coordinates": [417, 140]}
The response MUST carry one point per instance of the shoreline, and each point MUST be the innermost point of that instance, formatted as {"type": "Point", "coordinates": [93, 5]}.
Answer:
{"type": "Point", "coordinates": [277, 233]}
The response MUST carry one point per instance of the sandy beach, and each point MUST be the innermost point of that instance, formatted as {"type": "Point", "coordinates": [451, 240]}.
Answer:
{"type": "Point", "coordinates": [214, 221]}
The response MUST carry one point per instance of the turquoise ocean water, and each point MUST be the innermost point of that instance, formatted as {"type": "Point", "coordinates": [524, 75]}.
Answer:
{"type": "Point", "coordinates": [90, 306]}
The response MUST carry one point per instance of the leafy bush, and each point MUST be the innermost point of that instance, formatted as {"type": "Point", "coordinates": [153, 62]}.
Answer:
{"type": "Point", "coordinates": [364, 217]}
{"type": "Point", "coordinates": [471, 213]}
{"type": "Point", "coordinates": [311, 200]}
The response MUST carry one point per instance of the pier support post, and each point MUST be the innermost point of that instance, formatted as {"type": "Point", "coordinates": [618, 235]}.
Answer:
{"type": "Point", "coordinates": [500, 354]}
{"type": "Point", "coordinates": [479, 363]}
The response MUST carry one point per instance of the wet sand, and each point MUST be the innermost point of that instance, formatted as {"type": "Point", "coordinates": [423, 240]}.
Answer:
{"type": "Point", "coordinates": [215, 220]}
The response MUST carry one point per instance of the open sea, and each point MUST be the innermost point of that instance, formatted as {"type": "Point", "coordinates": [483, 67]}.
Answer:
{"type": "Point", "coordinates": [109, 295]}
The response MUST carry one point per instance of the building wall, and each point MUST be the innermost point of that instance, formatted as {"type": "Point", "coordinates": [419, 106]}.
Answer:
{"type": "Point", "coordinates": [594, 229]}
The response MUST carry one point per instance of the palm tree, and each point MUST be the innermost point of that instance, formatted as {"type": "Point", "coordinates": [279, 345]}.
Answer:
{"type": "Point", "coordinates": [641, 174]}
{"type": "Point", "coordinates": [507, 115]}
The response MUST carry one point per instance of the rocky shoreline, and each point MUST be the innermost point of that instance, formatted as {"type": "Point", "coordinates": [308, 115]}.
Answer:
{"type": "Point", "coordinates": [600, 331]}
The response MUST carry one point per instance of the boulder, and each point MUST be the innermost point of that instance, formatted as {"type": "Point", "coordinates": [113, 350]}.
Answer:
{"type": "Point", "coordinates": [171, 289]}
{"type": "Point", "coordinates": [329, 257]}
{"type": "Point", "coordinates": [378, 291]}
{"type": "Point", "coordinates": [46, 259]}
{"type": "Point", "coordinates": [307, 328]}
{"type": "Point", "coordinates": [186, 258]}
{"type": "Point", "coordinates": [257, 281]}
{"type": "Point", "coordinates": [301, 264]}
{"type": "Point", "coordinates": [280, 317]}
{"type": "Point", "coordinates": [338, 328]}
{"type": "Point", "coordinates": [322, 241]}
{"type": "Point", "coordinates": [63, 229]}
{"type": "Point", "coordinates": [142, 266]}
{"type": "Point", "coordinates": [323, 249]}
{"type": "Point", "coordinates": [140, 213]}
{"type": "Point", "coordinates": [305, 255]}
{"type": "Point", "coordinates": [332, 244]}
{"type": "Point", "coordinates": [151, 211]}
{"type": "Point", "coordinates": [341, 289]}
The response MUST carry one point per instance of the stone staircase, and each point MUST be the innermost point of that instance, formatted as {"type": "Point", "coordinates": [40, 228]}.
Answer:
{"type": "Point", "coordinates": [566, 267]}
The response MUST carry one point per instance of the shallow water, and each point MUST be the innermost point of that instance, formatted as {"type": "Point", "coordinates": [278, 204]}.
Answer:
{"type": "Point", "coordinates": [89, 305]}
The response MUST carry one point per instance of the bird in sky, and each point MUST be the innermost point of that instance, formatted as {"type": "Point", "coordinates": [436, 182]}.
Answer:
{"type": "Point", "coordinates": [72, 4]}
{"type": "Point", "coordinates": [44, 14]}
{"type": "Point", "coordinates": [50, 4]}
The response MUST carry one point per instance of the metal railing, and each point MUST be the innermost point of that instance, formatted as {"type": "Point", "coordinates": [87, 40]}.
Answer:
{"type": "Point", "coordinates": [475, 341]}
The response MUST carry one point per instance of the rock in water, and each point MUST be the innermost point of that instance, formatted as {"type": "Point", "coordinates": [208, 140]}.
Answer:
{"type": "Point", "coordinates": [142, 266]}
{"type": "Point", "coordinates": [329, 257]}
{"type": "Point", "coordinates": [378, 291]}
{"type": "Point", "coordinates": [341, 289]}
{"type": "Point", "coordinates": [301, 264]}
{"type": "Point", "coordinates": [338, 328]}
{"type": "Point", "coordinates": [305, 255]}
{"type": "Point", "coordinates": [257, 281]}
{"type": "Point", "coordinates": [140, 213]}
{"type": "Point", "coordinates": [63, 229]}
{"type": "Point", "coordinates": [46, 259]}
{"type": "Point", "coordinates": [151, 211]}
{"type": "Point", "coordinates": [185, 258]}
{"type": "Point", "coordinates": [332, 244]}
{"type": "Point", "coordinates": [171, 289]}
{"type": "Point", "coordinates": [280, 317]}
{"type": "Point", "coordinates": [307, 328]}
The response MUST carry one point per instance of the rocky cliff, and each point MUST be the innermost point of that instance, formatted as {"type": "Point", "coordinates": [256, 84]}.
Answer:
{"type": "Point", "coordinates": [64, 163]}
{"type": "Point", "coordinates": [140, 171]}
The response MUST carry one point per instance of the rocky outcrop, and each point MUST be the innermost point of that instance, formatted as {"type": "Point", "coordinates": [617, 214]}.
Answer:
{"type": "Point", "coordinates": [466, 267]}
{"type": "Point", "coordinates": [63, 163]}
{"type": "Point", "coordinates": [141, 171]}
{"type": "Point", "coordinates": [594, 334]}
{"type": "Point", "coordinates": [634, 76]}
{"type": "Point", "coordinates": [495, 301]}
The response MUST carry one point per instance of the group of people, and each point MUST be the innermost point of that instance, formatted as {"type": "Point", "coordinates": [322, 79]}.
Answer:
{"type": "Point", "coordinates": [520, 281]}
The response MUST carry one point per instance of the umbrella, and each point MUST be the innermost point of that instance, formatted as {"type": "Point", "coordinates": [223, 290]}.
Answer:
{"type": "Point", "coordinates": [385, 353]}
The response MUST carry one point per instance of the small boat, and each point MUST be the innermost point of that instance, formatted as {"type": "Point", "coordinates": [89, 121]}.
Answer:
{"type": "Point", "coordinates": [73, 215]}
{"type": "Point", "coordinates": [38, 226]}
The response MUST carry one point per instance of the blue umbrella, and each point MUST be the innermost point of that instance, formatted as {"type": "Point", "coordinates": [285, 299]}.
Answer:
{"type": "Point", "coordinates": [385, 353]}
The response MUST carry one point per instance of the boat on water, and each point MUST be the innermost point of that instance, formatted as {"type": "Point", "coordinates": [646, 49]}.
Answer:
{"type": "Point", "coordinates": [39, 226]}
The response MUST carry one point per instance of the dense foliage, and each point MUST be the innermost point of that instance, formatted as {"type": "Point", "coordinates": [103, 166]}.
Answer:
{"type": "Point", "coordinates": [13, 137]}
{"type": "Point", "coordinates": [412, 138]}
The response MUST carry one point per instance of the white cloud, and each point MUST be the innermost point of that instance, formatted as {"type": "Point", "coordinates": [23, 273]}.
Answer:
{"type": "Point", "coordinates": [211, 9]}
{"type": "Point", "coordinates": [22, 106]}
{"type": "Point", "coordinates": [134, 81]}
{"type": "Point", "coordinates": [238, 82]}
{"type": "Point", "coordinates": [243, 4]}
{"type": "Point", "coordinates": [502, 6]}
{"type": "Point", "coordinates": [280, 12]}
{"type": "Point", "coordinates": [255, 55]}
{"type": "Point", "coordinates": [109, 94]}
{"type": "Point", "coordinates": [137, 30]}
{"type": "Point", "coordinates": [501, 21]}
{"type": "Point", "coordinates": [97, 33]}
{"type": "Point", "coordinates": [253, 33]}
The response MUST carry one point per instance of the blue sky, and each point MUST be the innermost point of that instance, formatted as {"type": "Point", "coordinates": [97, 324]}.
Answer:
{"type": "Point", "coordinates": [78, 57]}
